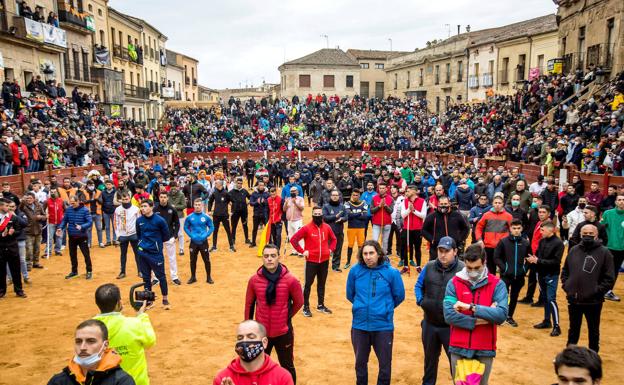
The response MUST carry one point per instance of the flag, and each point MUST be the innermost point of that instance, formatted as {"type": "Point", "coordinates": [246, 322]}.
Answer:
{"type": "Point", "coordinates": [265, 236]}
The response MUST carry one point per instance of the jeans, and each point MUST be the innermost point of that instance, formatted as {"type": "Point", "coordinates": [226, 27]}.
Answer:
{"type": "Point", "coordinates": [487, 361]}
{"type": "Point", "coordinates": [381, 342]}
{"type": "Point", "coordinates": [21, 250]}
{"type": "Point", "coordinates": [108, 226]}
{"type": "Point", "coordinates": [5, 169]}
{"type": "Point", "coordinates": [385, 235]}
{"type": "Point", "coordinates": [53, 240]}
{"type": "Point", "coordinates": [33, 249]}
{"type": "Point", "coordinates": [149, 263]}
{"type": "Point", "coordinates": [97, 221]}
{"type": "Point", "coordinates": [592, 316]}
{"type": "Point", "coordinates": [123, 246]}
{"type": "Point", "coordinates": [548, 286]}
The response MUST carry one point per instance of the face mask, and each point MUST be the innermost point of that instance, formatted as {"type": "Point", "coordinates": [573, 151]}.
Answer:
{"type": "Point", "coordinates": [91, 360]}
{"type": "Point", "coordinates": [249, 350]}
{"type": "Point", "coordinates": [582, 205]}
{"type": "Point", "coordinates": [317, 219]}
{"type": "Point", "coordinates": [443, 209]}
{"type": "Point", "coordinates": [534, 205]}
{"type": "Point", "coordinates": [91, 187]}
{"type": "Point", "coordinates": [588, 241]}
{"type": "Point", "coordinates": [474, 275]}
{"type": "Point", "coordinates": [515, 203]}
{"type": "Point", "coordinates": [126, 205]}
{"type": "Point", "coordinates": [293, 195]}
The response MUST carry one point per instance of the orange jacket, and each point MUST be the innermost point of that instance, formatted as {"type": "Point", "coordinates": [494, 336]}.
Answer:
{"type": "Point", "coordinates": [492, 227]}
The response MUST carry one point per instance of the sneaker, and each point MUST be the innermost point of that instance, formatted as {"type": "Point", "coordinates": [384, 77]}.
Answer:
{"type": "Point", "coordinates": [346, 266]}
{"type": "Point", "coordinates": [337, 270]}
{"type": "Point", "coordinates": [71, 275]}
{"type": "Point", "coordinates": [412, 263]}
{"type": "Point", "coordinates": [58, 253]}
{"type": "Point", "coordinates": [611, 296]}
{"type": "Point", "coordinates": [556, 332]}
{"type": "Point", "coordinates": [27, 280]}
{"type": "Point", "coordinates": [191, 281]}
{"type": "Point", "coordinates": [210, 281]}
{"type": "Point", "coordinates": [116, 243]}
{"type": "Point", "coordinates": [89, 275]}
{"type": "Point", "coordinates": [37, 266]}
{"type": "Point", "coordinates": [177, 282]}
{"type": "Point", "coordinates": [3, 294]}
{"type": "Point", "coordinates": [252, 245]}
{"type": "Point", "coordinates": [121, 276]}
{"type": "Point", "coordinates": [400, 264]}
{"type": "Point", "coordinates": [512, 322]}
{"type": "Point", "coordinates": [62, 247]}
{"type": "Point", "coordinates": [537, 304]}
{"type": "Point", "coordinates": [232, 249]}
{"type": "Point", "coordinates": [405, 269]}
{"type": "Point", "coordinates": [102, 246]}
{"type": "Point", "coordinates": [419, 269]}
{"type": "Point", "coordinates": [526, 301]}
{"type": "Point", "coordinates": [323, 309]}
{"type": "Point", "coordinates": [543, 325]}
{"type": "Point", "coordinates": [181, 252]}
{"type": "Point", "coordinates": [307, 312]}
{"type": "Point", "coordinates": [166, 304]}
{"type": "Point", "coordinates": [247, 241]}
{"type": "Point", "coordinates": [155, 282]}
{"type": "Point", "coordinates": [21, 294]}
{"type": "Point", "coordinates": [213, 249]}
{"type": "Point", "coordinates": [108, 243]}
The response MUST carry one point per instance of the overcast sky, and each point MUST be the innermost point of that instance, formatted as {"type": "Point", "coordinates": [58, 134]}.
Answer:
{"type": "Point", "coordinates": [240, 42]}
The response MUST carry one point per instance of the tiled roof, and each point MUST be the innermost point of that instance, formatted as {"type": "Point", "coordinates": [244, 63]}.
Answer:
{"type": "Point", "coordinates": [374, 54]}
{"type": "Point", "coordinates": [325, 56]}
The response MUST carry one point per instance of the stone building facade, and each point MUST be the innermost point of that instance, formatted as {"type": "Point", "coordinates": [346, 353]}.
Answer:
{"type": "Point", "coordinates": [372, 70]}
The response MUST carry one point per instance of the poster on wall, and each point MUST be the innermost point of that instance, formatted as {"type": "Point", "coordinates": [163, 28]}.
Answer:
{"type": "Point", "coordinates": [53, 35]}
{"type": "Point", "coordinates": [534, 73]}
{"type": "Point", "coordinates": [555, 66]}
{"type": "Point", "coordinates": [116, 111]}
{"type": "Point", "coordinates": [168, 92]}
{"type": "Point", "coordinates": [34, 30]}
{"type": "Point", "coordinates": [90, 23]}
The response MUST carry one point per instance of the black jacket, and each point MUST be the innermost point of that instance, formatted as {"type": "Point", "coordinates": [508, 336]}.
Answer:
{"type": "Point", "coordinates": [113, 376]}
{"type": "Point", "coordinates": [521, 215]}
{"type": "Point", "coordinates": [220, 199]}
{"type": "Point", "coordinates": [108, 199]}
{"type": "Point", "coordinates": [550, 199]}
{"type": "Point", "coordinates": [193, 191]}
{"type": "Point", "coordinates": [549, 253]}
{"type": "Point", "coordinates": [575, 239]}
{"type": "Point", "coordinates": [260, 209]}
{"type": "Point", "coordinates": [170, 215]}
{"type": "Point", "coordinates": [438, 225]}
{"type": "Point", "coordinates": [433, 288]}
{"type": "Point", "coordinates": [17, 223]}
{"type": "Point", "coordinates": [588, 274]}
{"type": "Point", "coordinates": [239, 199]}
{"type": "Point", "coordinates": [509, 256]}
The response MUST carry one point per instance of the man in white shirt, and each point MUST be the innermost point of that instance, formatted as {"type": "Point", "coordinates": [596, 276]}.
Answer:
{"type": "Point", "coordinates": [37, 189]}
{"type": "Point", "coordinates": [536, 188]}
{"type": "Point", "coordinates": [125, 227]}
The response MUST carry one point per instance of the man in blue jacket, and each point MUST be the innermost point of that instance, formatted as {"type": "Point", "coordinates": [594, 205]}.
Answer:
{"type": "Point", "coordinates": [198, 226]}
{"type": "Point", "coordinates": [367, 196]}
{"type": "Point", "coordinates": [375, 289]}
{"type": "Point", "coordinates": [152, 232]}
{"type": "Point", "coordinates": [77, 221]}
{"type": "Point", "coordinates": [292, 182]}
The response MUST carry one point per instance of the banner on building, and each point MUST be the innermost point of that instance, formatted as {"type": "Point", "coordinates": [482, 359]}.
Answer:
{"type": "Point", "coordinates": [115, 111]}
{"type": "Point", "coordinates": [34, 30]}
{"type": "Point", "coordinates": [168, 92]}
{"type": "Point", "coordinates": [534, 73]}
{"type": "Point", "coordinates": [1, 60]}
{"type": "Point", "coordinates": [53, 35]}
{"type": "Point", "coordinates": [555, 66]}
{"type": "Point", "coordinates": [102, 55]}
{"type": "Point", "coordinates": [90, 23]}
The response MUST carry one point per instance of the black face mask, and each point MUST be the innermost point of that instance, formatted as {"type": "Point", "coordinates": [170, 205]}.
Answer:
{"type": "Point", "coordinates": [588, 242]}
{"type": "Point", "coordinates": [582, 205]}
{"type": "Point", "coordinates": [126, 205]}
{"type": "Point", "coordinates": [293, 194]}
{"type": "Point", "coordinates": [443, 209]}
{"type": "Point", "coordinates": [249, 350]}
{"type": "Point", "coordinates": [317, 219]}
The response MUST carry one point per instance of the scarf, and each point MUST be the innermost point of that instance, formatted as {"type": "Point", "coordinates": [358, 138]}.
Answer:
{"type": "Point", "coordinates": [273, 278]}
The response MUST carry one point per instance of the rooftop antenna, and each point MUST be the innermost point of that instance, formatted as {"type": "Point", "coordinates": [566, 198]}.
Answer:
{"type": "Point", "coordinates": [448, 27]}
{"type": "Point", "coordinates": [390, 40]}
{"type": "Point", "coordinates": [326, 40]}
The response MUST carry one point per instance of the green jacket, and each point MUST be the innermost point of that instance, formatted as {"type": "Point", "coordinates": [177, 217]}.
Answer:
{"type": "Point", "coordinates": [129, 337]}
{"type": "Point", "coordinates": [178, 201]}
{"type": "Point", "coordinates": [614, 222]}
{"type": "Point", "coordinates": [408, 175]}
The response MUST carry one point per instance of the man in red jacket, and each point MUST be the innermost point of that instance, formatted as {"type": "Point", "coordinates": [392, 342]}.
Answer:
{"type": "Point", "coordinates": [55, 209]}
{"type": "Point", "coordinates": [20, 155]}
{"type": "Point", "coordinates": [252, 366]}
{"type": "Point", "coordinates": [493, 226]}
{"type": "Point", "coordinates": [319, 241]}
{"type": "Point", "coordinates": [275, 295]}
{"type": "Point", "coordinates": [275, 217]}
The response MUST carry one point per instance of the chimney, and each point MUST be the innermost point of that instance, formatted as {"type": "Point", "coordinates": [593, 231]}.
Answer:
{"type": "Point", "coordinates": [458, 29]}
{"type": "Point", "coordinates": [468, 28]}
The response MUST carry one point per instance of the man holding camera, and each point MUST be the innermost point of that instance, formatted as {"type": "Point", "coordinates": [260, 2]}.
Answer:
{"type": "Point", "coordinates": [152, 232]}
{"type": "Point", "coordinates": [128, 336]}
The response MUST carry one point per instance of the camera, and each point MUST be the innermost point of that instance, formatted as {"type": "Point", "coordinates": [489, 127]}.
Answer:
{"type": "Point", "coordinates": [145, 295]}
{"type": "Point", "coordinates": [138, 296]}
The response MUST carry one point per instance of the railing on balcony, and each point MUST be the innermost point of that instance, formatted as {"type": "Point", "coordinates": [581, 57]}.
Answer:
{"type": "Point", "coordinates": [68, 17]}
{"type": "Point", "coordinates": [153, 87]}
{"type": "Point", "coordinates": [136, 92]}
{"type": "Point", "coordinates": [77, 71]}
{"type": "Point", "coordinates": [520, 75]}
{"type": "Point", "coordinates": [187, 81]}
{"type": "Point", "coordinates": [473, 81]}
{"type": "Point", "coordinates": [123, 53]}
{"type": "Point", "coordinates": [600, 55]}
{"type": "Point", "coordinates": [31, 30]}
{"type": "Point", "coordinates": [487, 79]}
{"type": "Point", "coordinates": [503, 77]}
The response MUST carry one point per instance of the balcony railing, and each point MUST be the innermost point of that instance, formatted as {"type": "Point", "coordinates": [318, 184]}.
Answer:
{"type": "Point", "coordinates": [136, 92]}
{"type": "Point", "coordinates": [600, 55]}
{"type": "Point", "coordinates": [503, 77]}
{"type": "Point", "coordinates": [473, 81]}
{"type": "Point", "coordinates": [68, 17]}
{"type": "Point", "coordinates": [520, 75]}
{"type": "Point", "coordinates": [123, 53]}
{"type": "Point", "coordinates": [31, 30]}
{"type": "Point", "coordinates": [77, 71]}
{"type": "Point", "coordinates": [487, 79]}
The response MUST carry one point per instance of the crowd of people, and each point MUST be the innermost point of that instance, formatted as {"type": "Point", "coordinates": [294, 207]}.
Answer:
{"type": "Point", "coordinates": [483, 233]}
{"type": "Point", "coordinates": [47, 126]}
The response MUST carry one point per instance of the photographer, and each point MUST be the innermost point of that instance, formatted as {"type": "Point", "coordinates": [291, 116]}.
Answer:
{"type": "Point", "coordinates": [128, 336]}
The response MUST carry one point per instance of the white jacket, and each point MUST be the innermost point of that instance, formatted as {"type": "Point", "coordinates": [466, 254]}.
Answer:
{"type": "Point", "coordinates": [574, 218]}
{"type": "Point", "coordinates": [125, 221]}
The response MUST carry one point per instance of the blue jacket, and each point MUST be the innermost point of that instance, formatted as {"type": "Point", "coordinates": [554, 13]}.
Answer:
{"type": "Point", "coordinates": [287, 187]}
{"type": "Point", "coordinates": [198, 226]}
{"type": "Point", "coordinates": [152, 232]}
{"type": "Point", "coordinates": [80, 216]}
{"type": "Point", "coordinates": [357, 215]}
{"type": "Point", "coordinates": [368, 198]}
{"type": "Point", "coordinates": [374, 294]}
{"type": "Point", "coordinates": [477, 212]}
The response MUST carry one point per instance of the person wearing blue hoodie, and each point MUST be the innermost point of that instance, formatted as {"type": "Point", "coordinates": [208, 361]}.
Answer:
{"type": "Point", "coordinates": [367, 196]}
{"type": "Point", "coordinates": [375, 289]}
{"type": "Point", "coordinates": [152, 231]}
{"type": "Point", "coordinates": [77, 221]}
{"type": "Point", "coordinates": [198, 226]}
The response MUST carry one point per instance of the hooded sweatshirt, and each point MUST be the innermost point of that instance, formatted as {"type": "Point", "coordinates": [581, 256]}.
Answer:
{"type": "Point", "coordinates": [613, 220]}
{"type": "Point", "coordinates": [108, 372]}
{"type": "Point", "coordinates": [588, 273]}
{"type": "Point", "coordinates": [198, 226]}
{"type": "Point", "coordinates": [270, 373]}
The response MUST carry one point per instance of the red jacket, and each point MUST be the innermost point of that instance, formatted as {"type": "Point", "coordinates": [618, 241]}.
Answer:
{"type": "Point", "coordinates": [537, 237]}
{"type": "Point", "coordinates": [482, 337]}
{"type": "Point", "coordinates": [15, 151]}
{"type": "Point", "coordinates": [55, 211]}
{"type": "Point", "coordinates": [288, 301]}
{"type": "Point", "coordinates": [270, 373]}
{"type": "Point", "coordinates": [492, 227]}
{"type": "Point", "coordinates": [275, 209]}
{"type": "Point", "coordinates": [412, 221]}
{"type": "Point", "coordinates": [319, 242]}
{"type": "Point", "coordinates": [382, 216]}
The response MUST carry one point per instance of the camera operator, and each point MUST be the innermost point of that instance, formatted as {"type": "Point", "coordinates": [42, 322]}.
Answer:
{"type": "Point", "coordinates": [128, 336]}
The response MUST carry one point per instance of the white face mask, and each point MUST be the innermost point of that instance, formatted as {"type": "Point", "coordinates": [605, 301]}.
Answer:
{"type": "Point", "coordinates": [90, 361]}
{"type": "Point", "coordinates": [474, 275]}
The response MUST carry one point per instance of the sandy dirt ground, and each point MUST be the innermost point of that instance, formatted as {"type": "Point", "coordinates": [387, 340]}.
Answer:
{"type": "Point", "coordinates": [196, 337]}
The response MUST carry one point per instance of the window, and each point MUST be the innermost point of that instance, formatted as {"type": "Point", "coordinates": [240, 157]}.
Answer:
{"type": "Point", "coordinates": [76, 55]}
{"type": "Point", "coordinates": [421, 78]}
{"type": "Point", "coordinates": [448, 73]}
{"type": "Point", "coordinates": [304, 81]}
{"type": "Point", "coordinates": [581, 48]}
{"type": "Point", "coordinates": [131, 78]}
{"type": "Point", "coordinates": [328, 81]}
{"type": "Point", "coordinates": [379, 66]}
{"type": "Point", "coordinates": [437, 74]}
{"type": "Point", "coordinates": [520, 68]}
{"type": "Point", "coordinates": [364, 66]}
{"type": "Point", "coordinates": [349, 81]}
{"type": "Point", "coordinates": [407, 84]}
{"type": "Point", "coordinates": [504, 74]}
{"type": "Point", "coordinates": [100, 12]}
{"type": "Point", "coordinates": [90, 8]}
{"type": "Point", "coordinates": [102, 37]}
{"type": "Point", "coordinates": [364, 89]}
{"type": "Point", "coordinates": [113, 34]}
{"type": "Point", "coordinates": [460, 71]}
{"type": "Point", "coordinates": [608, 62]}
{"type": "Point", "coordinates": [379, 90]}
{"type": "Point", "coordinates": [85, 66]}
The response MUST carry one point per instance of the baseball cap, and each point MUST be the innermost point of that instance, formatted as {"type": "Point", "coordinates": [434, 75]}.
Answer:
{"type": "Point", "coordinates": [447, 243]}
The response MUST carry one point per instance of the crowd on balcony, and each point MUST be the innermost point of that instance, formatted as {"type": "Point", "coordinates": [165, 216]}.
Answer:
{"type": "Point", "coordinates": [38, 14]}
{"type": "Point", "coordinates": [59, 130]}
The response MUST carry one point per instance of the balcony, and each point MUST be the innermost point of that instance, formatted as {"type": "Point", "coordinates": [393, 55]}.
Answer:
{"type": "Point", "coordinates": [600, 55]}
{"type": "Point", "coordinates": [133, 91]}
{"type": "Point", "coordinates": [194, 82]}
{"type": "Point", "coordinates": [473, 81]}
{"type": "Point", "coordinates": [488, 79]}
{"type": "Point", "coordinates": [503, 77]}
{"type": "Point", "coordinates": [520, 74]}
{"type": "Point", "coordinates": [72, 21]}
{"type": "Point", "coordinates": [123, 53]}
{"type": "Point", "coordinates": [37, 34]}
{"type": "Point", "coordinates": [154, 87]}
{"type": "Point", "coordinates": [77, 71]}
{"type": "Point", "coordinates": [187, 81]}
